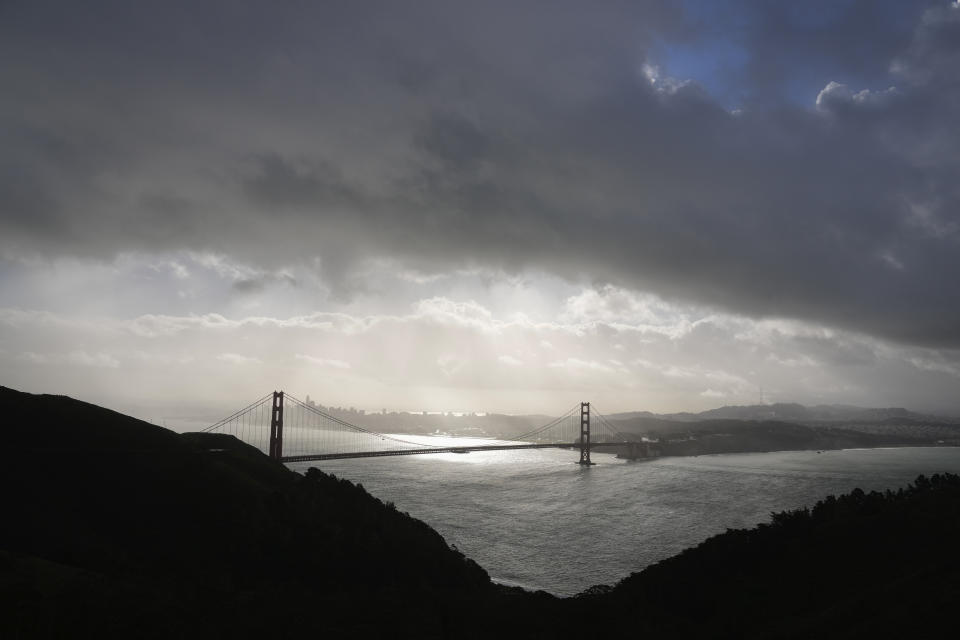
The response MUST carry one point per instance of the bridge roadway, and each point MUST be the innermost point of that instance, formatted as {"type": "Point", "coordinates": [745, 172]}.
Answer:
{"type": "Point", "coordinates": [416, 452]}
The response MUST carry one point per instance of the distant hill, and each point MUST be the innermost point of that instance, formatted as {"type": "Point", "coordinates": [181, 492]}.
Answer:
{"type": "Point", "coordinates": [785, 427]}
{"type": "Point", "coordinates": [789, 412]}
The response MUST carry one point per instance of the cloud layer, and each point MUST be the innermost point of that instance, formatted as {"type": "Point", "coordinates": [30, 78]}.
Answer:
{"type": "Point", "coordinates": [781, 164]}
{"type": "Point", "coordinates": [447, 355]}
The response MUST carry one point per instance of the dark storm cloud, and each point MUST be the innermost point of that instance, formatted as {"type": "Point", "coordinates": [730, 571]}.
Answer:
{"type": "Point", "coordinates": [278, 184]}
{"type": "Point", "coordinates": [261, 281]}
{"type": "Point", "coordinates": [505, 135]}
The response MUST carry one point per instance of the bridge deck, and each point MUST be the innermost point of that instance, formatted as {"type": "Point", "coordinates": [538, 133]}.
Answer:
{"type": "Point", "coordinates": [425, 450]}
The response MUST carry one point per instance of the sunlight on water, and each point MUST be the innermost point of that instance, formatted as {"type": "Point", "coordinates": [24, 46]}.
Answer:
{"type": "Point", "coordinates": [474, 457]}
{"type": "Point", "coordinates": [448, 441]}
{"type": "Point", "coordinates": [536, 519]}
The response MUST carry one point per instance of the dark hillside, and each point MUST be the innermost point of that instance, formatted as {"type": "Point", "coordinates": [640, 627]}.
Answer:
{"type": "Point", "coordinates": [116, 528]}
{"type": "Point", "coordinates": [198, 529]}
{"type": "Point", "coordinates": [862, 565]}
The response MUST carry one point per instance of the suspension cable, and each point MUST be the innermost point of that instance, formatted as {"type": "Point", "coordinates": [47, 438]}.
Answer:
{"type": "Point", "coordinates": [609, 425]}
{"type": "Point", "coordinates": [355, 428]}
{"type": "Point", "coordinates": [528, 434]}
{"type": "Point", "coordinates": [250, 406]}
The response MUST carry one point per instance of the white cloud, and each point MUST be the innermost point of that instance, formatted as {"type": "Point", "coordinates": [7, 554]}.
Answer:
{"type": "Point", "coordinates": [237, 359]}
{"type": "Point", "coordinates": [926, 364]}
{"type": "Point", "coordinates": [837, 94]}
{"type": "Point", "coordinates": [421, 278]}
{"type": "Point", "coordinates": [450, 364]}
{"type": "Point", "coordinates": [794, 361]}
{"type": "Point", "coordinates": [85, 359]}
{"type": "Point", "coordinates": [323, 362]}
{"type": "Point", "coordinates": [34, 358]}
{"type": "Point", "coordinates": [461, 353]}
{"type": "Point", "coordinates": [577, 365]}
{"type": "Point", "coordinates": [151, 326]}
{"type": "Point", "coordinates": [892, 261]}
{"type": "Point", "coordinates": [468, 313]}
{"type": "Point", "coordinates": [623, 308]}
{"type": "Point", "coordinates": [933, 219]}
{"type": "Point", "coordinates": [226, 268]}
{"type": "Point", "coordinates": [660, 83]}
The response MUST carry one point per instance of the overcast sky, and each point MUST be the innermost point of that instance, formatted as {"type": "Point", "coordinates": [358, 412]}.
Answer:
{"type": "Point", "coordinates": [481, 206]}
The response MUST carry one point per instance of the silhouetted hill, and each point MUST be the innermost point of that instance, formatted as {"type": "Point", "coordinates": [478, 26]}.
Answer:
{"type": "Point", "coordinates": [116, 528]}
{"type": "Point", "coordinates": [862, 565]}
{"type": "Point", "coordinates": [114, 524]}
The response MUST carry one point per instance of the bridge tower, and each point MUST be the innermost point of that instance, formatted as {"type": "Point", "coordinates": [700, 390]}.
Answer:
{"type": "Point", "coordinates": [276, 426]}
{"type": "Point", "coordinates": [585, 433]}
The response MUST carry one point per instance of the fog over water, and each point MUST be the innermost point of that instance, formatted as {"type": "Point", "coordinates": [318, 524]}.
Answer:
{"type": "Point", "coordinates": [536, 519]}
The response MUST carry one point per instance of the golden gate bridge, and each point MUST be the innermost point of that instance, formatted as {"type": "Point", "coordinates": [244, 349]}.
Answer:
{"type": "Point", "coordinates": [290, 430]}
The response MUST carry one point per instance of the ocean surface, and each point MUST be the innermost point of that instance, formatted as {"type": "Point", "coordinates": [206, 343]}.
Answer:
{"type": "Point", "coordinates": [536, 519]}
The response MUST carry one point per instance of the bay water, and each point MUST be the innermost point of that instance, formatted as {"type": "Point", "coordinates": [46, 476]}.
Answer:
{"type": "Point", "coordinates": [536, 519]}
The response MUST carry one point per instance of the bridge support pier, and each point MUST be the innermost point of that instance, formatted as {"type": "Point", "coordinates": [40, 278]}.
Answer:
{"type": "Point", "coordinates": [635, 451]}
{"type": "Point", "coordinates": [276, 426]}
{"type": "Point", "coordinates": [585, 433]}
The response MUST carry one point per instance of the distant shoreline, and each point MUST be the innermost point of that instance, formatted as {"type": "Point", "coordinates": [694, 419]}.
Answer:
{"type": "Point", "coordinates": [819, 450]}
